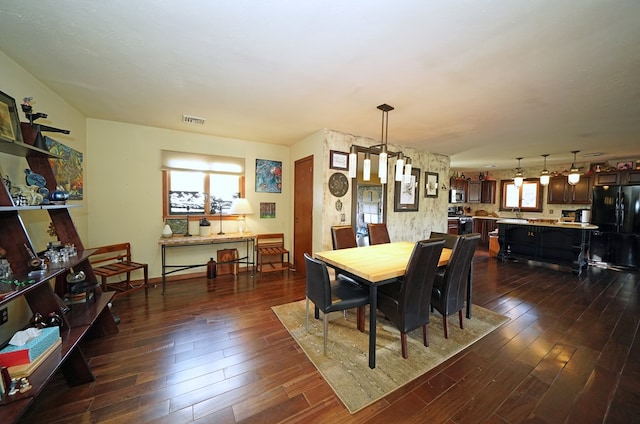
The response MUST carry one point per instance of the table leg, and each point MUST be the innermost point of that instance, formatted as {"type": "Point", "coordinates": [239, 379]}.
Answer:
{"type": "Point", "coordinates": [373, 308]}
{"type": "Point", "coordinates": [469, 290]}
{"type": "Point", "coordinates": [163, 268]}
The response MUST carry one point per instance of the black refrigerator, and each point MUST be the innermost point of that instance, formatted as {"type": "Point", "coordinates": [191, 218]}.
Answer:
{"type": "Point", "coordinates": [616, 211]}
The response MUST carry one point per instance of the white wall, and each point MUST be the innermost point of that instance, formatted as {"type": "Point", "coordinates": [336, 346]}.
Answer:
{"type": "Point", "coordinates": [124, 177]}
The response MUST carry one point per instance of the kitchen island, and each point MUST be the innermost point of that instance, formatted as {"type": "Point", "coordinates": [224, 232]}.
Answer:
{"type": "Point", "coordinates": [558, 243]}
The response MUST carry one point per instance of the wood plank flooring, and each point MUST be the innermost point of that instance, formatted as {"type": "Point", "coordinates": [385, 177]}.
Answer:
{"type": "Point", "coordinates": [213, 352]}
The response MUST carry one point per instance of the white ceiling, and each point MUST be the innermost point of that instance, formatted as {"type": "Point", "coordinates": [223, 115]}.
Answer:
{"type": "Point", "coordinates": [484, 81]}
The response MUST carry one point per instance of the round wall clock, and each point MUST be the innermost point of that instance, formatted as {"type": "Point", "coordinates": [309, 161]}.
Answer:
{"type": "Point", "coordinates": [338, 184]}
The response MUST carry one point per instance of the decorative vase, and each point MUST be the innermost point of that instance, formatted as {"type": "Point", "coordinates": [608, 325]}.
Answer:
{"type": "Point", "coordinates": [166, 231]}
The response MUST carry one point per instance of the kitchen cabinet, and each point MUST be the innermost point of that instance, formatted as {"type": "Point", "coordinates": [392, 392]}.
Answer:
{"type": "Point", "coordinates": [559, 191]}
{"type": "Point", "coordinates": [488, 194]}
{"type": "Point", "coordinates": [80, 320]}
{"type": "Point", "coordinates": [565, 245]}
{"type": "Point", "coordinates": [453, 226]}
{"type": "Point", "coordinates": [474, 191]}
{"type": "Point", "coordinates": [458, 184]}
{"type": "Point", "coordinates": [617, 178]}
{"type": "Point", "coordinates": [484, 226]}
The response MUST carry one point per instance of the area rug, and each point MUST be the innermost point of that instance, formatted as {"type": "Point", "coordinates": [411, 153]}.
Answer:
{"type": "Point", "coordinates": [346, 366]}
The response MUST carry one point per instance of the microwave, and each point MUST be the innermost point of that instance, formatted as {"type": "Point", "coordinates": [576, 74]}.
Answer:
{"type": "Point", "coordinates": [456, 196]}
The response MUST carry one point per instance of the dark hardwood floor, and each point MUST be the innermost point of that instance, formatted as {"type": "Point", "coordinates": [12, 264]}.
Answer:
{"type": "Point", "coordinates": [214, 352]}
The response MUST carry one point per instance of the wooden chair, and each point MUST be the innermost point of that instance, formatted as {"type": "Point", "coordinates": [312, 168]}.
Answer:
{"type": "Point", "coordinates": [343, 237]}
{"type": "Point", "coordinates": [115, 260]}
{"type": "Point", "coordinates": [271, 253]}
{"type": "Point", "coordinates": [378, 234]}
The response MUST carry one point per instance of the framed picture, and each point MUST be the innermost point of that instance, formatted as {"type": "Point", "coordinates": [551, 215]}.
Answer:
{"type": "Point", "coordinates": [178, 226]}
{"type": "Point", "coordinates": [267, 210]}
{"type": "Point", "coordinates": [625, 165]}
{"type": "Point", "coordinates": [338, 160]}
{"type": "Point", "coordinates": [268, 176]}
{"type": "Point", "coordinates": [9, 120]}
{"type": "Point", "coordinates": [430, 184]}
{"type": "Point", "coordinates": [405, 196]}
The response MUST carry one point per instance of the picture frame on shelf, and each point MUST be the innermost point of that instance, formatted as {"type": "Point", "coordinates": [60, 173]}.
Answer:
{"type": "Point", "coordinates": [623, 166]}
{"type": "Point", "coordinates": [407, 194]}
{"type": "Point", "coordinates": [338, 160]}
{"type": "Point", "coordinates": [178, 225]}
{"type": "Point", "coordinates": [9, 119]}
{"type": "Point", "coordinates": [431, 184]}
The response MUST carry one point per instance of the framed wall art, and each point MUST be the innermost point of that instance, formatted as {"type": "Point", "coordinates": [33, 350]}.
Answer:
{"type": "Point", "coordinates": [405, 196]}
{"type": "Point", "coordinates": [338, 160]}
{"type": "Point", "coordinates": [267, 210]}
{"type": "Point", "coordinates": [67, 169]}
{"type": "Point", "coordinates": [430, 184]}
{"type": "Point", "coordinates": [625, 165]}
{"type": "Point", "coordinates": [268, 176]}
{"type": "Point", "coordinates": [9, 119]}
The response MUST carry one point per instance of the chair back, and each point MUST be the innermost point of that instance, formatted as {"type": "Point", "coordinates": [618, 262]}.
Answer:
{"type": "Point", "coordinates": [415, 292]}
{"type": "Point", "coordinates": [449, 239]}
{"type": "Point", "coordinates": [318, 283]}
{"type": "Point", "coordinates": [343, 237]}
{"type": "Point", "coordinates": [457, 271]}
{"type": "Point", "coordinates": [378, 234]}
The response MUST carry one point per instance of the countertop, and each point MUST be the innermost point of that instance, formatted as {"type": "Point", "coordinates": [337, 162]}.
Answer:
{"type": "Point", "coordinates": [547, 223]}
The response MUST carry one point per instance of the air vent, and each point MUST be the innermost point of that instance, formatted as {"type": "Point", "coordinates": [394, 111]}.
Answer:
{"type": "Point", "coordinates": [192, 120]}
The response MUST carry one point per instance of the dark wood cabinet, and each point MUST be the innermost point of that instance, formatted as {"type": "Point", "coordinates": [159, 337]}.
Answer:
{"type": "Point", "coordinates": [453, 225]}
{"type": "Point", "coordinates": [474, 191]}
{"type": "Point", "coordinates": [458, 184]}
{"type": "Point", "coordinates": [555, 244]}
{"type": "Point", "coordinates": [617, 178]}
{"type": "Point", "coordinates": [488, 194]}
{"type": "Point", "coordinates": [559, 191]}
{"type": "Point", "coordinates": [484, 226]}
{"type": "Point", "coordinates": [93, 317]}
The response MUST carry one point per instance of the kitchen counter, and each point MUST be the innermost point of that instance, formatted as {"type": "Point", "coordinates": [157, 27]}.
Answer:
{"type": "Point", "coordinates": [558, 243]}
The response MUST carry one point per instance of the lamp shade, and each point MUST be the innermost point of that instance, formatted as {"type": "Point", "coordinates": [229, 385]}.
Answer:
{"type": "Point", "coordinates": [240, 206]}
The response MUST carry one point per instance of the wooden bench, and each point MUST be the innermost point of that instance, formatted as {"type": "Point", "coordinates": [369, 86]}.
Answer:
{"type": "Point", "coordinates": [271, 253]}
{"type": "Point", "coordinates": [115, 260]}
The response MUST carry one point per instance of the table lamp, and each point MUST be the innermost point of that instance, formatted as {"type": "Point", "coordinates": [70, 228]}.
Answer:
{"type": "Point", "coordinates": [241, 207]}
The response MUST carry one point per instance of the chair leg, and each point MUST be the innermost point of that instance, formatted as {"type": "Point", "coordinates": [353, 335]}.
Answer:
{"type": "Point", "coordinates": [306, 323]}
{"type": "Point", "coordinates": [425, 335]}
{"type": "Point", "coordinates": [403, 342]}
{"type": "Point", "coordinates": [360, 318]}
{"type": "Point", "coordinates": [461, 319]}
{"type": "Point", "coordinates": [325, 331]}
{"type": "Point", "coordinates": [446, 326]}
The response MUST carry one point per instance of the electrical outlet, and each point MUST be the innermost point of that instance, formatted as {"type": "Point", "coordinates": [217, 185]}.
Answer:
{"type": "Point", "coordinates": [4, 315]}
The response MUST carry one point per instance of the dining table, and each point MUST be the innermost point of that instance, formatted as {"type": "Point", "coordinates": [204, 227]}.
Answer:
{"type": "Point", "coordinates": [375, 266]}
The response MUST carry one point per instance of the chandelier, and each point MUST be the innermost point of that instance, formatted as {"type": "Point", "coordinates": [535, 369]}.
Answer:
{"type": "Point", "coordinates": [402, 165]}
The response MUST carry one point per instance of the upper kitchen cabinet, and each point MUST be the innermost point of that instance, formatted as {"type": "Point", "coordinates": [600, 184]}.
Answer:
{"type": "Point", "coordinates": [458, 184]}
{"type": "Point", "coordinates": [474, 191]}
{"type": "Point", "coordinates": [562, 193]}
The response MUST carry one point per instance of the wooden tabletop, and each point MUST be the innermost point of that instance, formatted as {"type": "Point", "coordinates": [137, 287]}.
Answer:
{"type": "Point", "coordinates": [375, 263]}
{"type": "Point", "coordinates": [213, 238]}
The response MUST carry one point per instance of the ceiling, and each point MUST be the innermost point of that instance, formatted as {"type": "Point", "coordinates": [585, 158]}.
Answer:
{"type": "Point", "coordinates": [483, 81]}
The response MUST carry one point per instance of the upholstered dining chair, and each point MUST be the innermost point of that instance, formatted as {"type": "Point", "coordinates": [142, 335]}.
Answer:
{"type": "Point", "coordinates": [328, 296]}
{"type": "Point", "coordinates": [343, 237]}
{"type": "Point", "coordinates": [378, 234]}
{"type": "Point", "coordinates": [449, 288]}
{"type": "Point", "coordinates": [406, 302]}
{"type": "Point", "coordinates": [449, 239]}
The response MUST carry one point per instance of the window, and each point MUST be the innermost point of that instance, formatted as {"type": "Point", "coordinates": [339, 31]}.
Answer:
{"type": "Point", "coordinates": [527, 197]}
{"type": "Point", "coordinates": [200, 184]}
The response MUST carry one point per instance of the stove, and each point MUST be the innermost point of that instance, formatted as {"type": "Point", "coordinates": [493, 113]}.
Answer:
{"type": "Point", "coordinates": [465, 225]}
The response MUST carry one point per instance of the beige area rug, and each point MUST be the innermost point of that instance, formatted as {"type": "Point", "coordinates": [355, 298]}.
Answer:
{"type": "Point", "coordinates": [346, 366]}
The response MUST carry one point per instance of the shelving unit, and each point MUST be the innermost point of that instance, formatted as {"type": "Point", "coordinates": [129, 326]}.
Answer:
{"type": "Point", "coordinates": [84, 319]}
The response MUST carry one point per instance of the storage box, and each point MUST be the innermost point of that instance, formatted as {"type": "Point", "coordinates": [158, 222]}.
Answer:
{"type": "Point", "coordinates": [17, 355]}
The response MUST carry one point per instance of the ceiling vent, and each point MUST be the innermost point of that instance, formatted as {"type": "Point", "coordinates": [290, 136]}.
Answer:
{"type": "Point", "coordinates": [192, 120]}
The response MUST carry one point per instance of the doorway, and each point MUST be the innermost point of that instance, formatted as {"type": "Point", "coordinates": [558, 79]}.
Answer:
{"type": "Point", "coordinates": [302, 212]}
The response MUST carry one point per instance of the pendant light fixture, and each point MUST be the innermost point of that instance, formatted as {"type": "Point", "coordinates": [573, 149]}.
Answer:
{"type": "Point", "coordinates": [574, 173]}
{"type": "Point", "coordinates": [544, 175]}
{"type": "Point", "coordinates": [518, 178]}
{"type": "Point", "coordinates": [402, 166]}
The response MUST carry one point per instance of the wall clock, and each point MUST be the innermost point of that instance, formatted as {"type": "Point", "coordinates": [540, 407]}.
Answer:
{"type": "Point", "coordinates": [338, 184]}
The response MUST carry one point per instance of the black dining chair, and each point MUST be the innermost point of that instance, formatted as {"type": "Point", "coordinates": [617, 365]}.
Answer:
{"type": "Point", "coordinates": [331, 296]}
{"type": "Point", "coordinates": [406, 302]}
{"type": "Point", "coordinates": [449, 287]}
{"type": "Point", "coordinates": [378, 234]}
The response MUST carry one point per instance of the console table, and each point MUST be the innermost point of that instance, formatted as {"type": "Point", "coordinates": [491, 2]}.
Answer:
{"type": "Point", "coordinates": [181, 241]}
